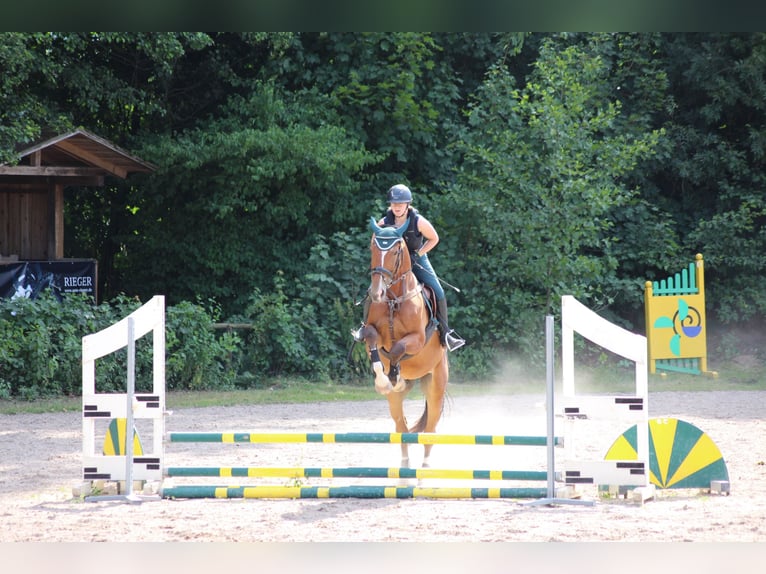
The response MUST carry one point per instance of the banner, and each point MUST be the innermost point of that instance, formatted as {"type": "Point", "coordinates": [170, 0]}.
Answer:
{"type": "Point", "coordinates": [30, 278]}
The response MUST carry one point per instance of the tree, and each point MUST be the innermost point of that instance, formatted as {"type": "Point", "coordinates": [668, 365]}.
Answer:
{"type": "Point", "coordinates": [236, 202]}
{"type": "Point", "coordinates": [24, 112]}
{"type": "Point", "coordinates": [542, 176]}
{"type": "Point", "coordinates": [399, 93]}
{"type": "Point", "coordinates": [715, 178]}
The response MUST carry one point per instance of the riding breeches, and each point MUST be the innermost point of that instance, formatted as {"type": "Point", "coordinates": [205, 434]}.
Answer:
{"type": "Point", "coordinates": [422, 269]}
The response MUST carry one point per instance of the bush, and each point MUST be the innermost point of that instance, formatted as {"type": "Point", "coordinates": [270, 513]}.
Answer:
{"type": "Point", "coordinates": [41, 348]}
{"type": "Point", "coordinates": [40, 345]}
{"type": "Point", "coordinates": [195, 357]}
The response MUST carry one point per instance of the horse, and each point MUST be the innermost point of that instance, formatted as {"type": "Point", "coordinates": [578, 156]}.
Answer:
{"type": "Point", "coordinates": [399, 335]}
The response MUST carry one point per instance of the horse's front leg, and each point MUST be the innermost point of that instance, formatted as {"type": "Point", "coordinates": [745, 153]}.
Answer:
{"type": "Point", "coordinates": [382, 383]}
{"type": "Point", "coordinates": [410, 344]}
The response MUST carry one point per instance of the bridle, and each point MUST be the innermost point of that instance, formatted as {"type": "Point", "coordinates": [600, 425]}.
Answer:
{"type": "Point", "coordinates": [391, 278]}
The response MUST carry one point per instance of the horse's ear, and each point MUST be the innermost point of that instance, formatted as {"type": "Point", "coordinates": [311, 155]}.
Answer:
{"type": "Point", "coordinates": [374, 226]}
{"type": "Point", "coordinates": [376, 229]}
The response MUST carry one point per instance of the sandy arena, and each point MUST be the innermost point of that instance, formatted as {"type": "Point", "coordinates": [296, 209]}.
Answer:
{"type": "Point", "coordinates": [41, 462]}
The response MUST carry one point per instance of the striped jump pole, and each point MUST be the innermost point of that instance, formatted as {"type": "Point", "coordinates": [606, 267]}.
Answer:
{"type": "Point", "coordinates": [358, 437]}
{"type": "Point", "coordinates": [357, 472]}
{"type": "Point", "coordinates": [348, 492]}
{"type": "Point", "coordinates": [296, 491]}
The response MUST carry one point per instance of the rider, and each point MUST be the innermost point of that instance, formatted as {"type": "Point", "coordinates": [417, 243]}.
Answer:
{"type": "Point", "coordinates": [420, 238]}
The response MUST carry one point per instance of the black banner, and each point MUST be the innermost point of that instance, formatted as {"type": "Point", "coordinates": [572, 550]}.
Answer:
{"type": "Point", "coordinates": [30, 278]}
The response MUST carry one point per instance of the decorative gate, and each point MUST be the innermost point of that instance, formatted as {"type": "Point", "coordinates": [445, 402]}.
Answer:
{"type": "Point", "coordinates": [676, 328]}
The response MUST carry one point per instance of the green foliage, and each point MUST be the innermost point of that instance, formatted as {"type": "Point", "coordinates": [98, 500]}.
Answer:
{"type": "Point", "coordinates": [261, 184]}
{"type": "Point", "coordinates": [390, 90]}
{"type": "Point", "coordinates": [196, 357]}
{"type": "Point", "coordinates": [334, 286]}
{"type": "Point", "coordinates": [306, 333]}
{"type": "Point", "coordinates": [24, 111]}
{"type": "Point", "coordinates": [541, 225]}
{"type": "Point", "coordinates": [41, 345]}
{"type": "Point", "coordinates": [577, 163]}
{"type": "Point", "coordinates": [276, 339]}
{"type": "Point", "coordinates": [734, 244]}
{"type": "Point", "coordinates": [41, 348]}
{"type": "Point", "coordinates": [717, 177]}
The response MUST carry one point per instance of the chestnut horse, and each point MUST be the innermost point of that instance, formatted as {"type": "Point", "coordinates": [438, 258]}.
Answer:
{"type": "Point", "coordinates": [398, 334]}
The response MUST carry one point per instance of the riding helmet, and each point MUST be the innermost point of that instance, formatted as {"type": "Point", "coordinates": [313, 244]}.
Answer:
{"type": "Point", "coordinates": [399, 194]}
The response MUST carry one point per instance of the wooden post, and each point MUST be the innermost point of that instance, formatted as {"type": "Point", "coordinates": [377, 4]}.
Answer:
{"type": "Point", "coordinates": [55, 245]}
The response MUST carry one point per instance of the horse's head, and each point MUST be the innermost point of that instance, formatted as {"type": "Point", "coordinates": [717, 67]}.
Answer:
{"type": "Point", "coordinates": [390, 258]}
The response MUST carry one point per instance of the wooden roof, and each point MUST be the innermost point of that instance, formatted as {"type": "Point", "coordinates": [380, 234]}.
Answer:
{"type": "Point", "coordinates": [32, 190]}
{"type": "Point", "coordinates": [75, 158]}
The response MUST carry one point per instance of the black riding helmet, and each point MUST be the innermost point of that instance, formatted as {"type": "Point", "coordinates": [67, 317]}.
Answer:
{"type": "Point", "coordinates": [399, 194]}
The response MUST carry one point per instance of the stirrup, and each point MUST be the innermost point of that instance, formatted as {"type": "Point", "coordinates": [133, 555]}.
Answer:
{"type": "Point", "coordinates": [357, 334]}
{"type": "Point", "coordinates": [453, 340]}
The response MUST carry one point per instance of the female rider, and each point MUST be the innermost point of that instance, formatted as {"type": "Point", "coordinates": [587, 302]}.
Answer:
{"type": "Point", "coordinates": [420, 237]}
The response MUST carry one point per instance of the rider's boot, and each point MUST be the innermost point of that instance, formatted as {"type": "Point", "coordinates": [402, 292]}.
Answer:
{"type": "Point", "coordinates": [448, 337]}
{"type": "Point", "coordinates": [357, 333]}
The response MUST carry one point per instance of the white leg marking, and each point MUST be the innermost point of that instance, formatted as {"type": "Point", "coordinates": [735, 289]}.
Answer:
{"type": "Point", "coordinates": [382, 384]}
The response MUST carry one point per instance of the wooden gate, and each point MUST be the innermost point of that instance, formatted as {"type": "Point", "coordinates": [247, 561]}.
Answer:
{"type": "Point", "coordinates": [676, 328]}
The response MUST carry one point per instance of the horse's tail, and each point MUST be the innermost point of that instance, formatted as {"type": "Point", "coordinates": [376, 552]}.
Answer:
{"type": "Point", "coordinates": [420, 426]}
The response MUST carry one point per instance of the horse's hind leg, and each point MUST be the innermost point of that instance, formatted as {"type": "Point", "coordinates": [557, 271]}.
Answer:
{"type": "Point", "coordinates": [434, 388]}
{"type": "Point", "coordinates": [396, 408]}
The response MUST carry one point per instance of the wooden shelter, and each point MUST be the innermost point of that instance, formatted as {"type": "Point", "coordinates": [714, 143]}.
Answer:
{"type": "Point", "coordinates": [32, 192]}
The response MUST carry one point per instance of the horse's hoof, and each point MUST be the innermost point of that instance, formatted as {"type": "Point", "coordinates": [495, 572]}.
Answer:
{"type": "Point", "coordinates": [400, 386]}
{"type": "Point", "coordinates": [383, 389]}
{"type": "Point", "coordinates": [382, 384]}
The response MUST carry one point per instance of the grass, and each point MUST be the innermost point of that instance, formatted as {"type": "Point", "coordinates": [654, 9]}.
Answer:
{"type": "Point", "coordinates": [601, 379]}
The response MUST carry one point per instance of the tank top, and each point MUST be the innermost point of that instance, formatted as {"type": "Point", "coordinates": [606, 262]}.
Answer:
{"type": "Point", "coordinates": [412, 236]}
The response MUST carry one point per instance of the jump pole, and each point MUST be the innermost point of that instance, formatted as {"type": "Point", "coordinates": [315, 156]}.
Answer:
{"type": "Point", "coordinates": [348, 492]}
{"type": "Point", "coordinates": [356, 472]}
{"type": "Point", "coordinates": [360, 437]}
